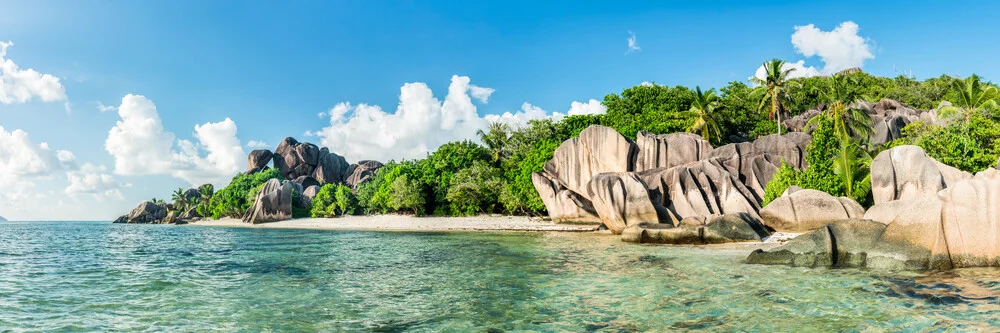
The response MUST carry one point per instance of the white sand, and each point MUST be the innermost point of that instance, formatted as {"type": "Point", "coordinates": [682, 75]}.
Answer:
{"type": "Point", "coordinates": [408, 223]}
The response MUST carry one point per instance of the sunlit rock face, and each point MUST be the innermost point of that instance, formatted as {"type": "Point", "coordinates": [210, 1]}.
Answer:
{"type": "Point", "coordinates": [603, 177]}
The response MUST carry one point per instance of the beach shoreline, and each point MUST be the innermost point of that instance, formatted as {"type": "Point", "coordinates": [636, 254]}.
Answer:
{"type": "Point", "coordinates": [408, 223]}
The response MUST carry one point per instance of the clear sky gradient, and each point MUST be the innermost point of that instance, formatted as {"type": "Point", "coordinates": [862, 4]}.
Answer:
{"type": "Point", "coordinates": [272, 67]}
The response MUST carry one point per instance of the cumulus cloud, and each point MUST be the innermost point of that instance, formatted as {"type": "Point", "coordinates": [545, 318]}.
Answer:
{"type": "Point", "coordinates": [92, 179]}
{"type": "Point", "coordinates": [421, 123]}
{"type": "Point", "coordinates": [257, 144]}
{"type": "Point", "coordinates": [800, 70]}
{"type": "Point", "coordinates": [633, 46]}
{"type": "Point", "coordinates": [646, 84]}
{"type": "Point", "coordinates": [531, 112]}
{"type": "Point", "coordinates": [22, 85]}
{"type": "Point", "coordinates": [22, 161]}
{"type": "Point", "coordinates": [141, 146]}
{"type": "Point", "coordinates": [840, 49]}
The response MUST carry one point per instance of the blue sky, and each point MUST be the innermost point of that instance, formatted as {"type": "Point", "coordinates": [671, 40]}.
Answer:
{"type": "Point", "coordinates": [271, 69]}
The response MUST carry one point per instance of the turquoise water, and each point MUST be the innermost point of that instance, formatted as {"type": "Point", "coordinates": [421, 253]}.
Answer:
{"type": "Point", "coordinates": [105, 277]}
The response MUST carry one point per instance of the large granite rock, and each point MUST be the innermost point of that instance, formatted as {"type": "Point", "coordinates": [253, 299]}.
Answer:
{"type": "Point", "coordinates": [669, 150]}
{"type": "Point", "coordinates": [599, 149]}
{"type": "Point", "coordinates": [258, 160]}
{"type": "Point", "coordinates": [563, 205]}
{"type": "Point", "coordinates": [740, 227]}
{"type": "Point", "coordinates": [146, 212]}
{"type": "Point", "coordinates": [361, 172]}
{"type": "Point", "coordinates": [273, 203]}
{"type": "Point", "coordinates": [806, 210]}
{"type": "Point", "coordinates": [756, 163]}
{"type": "Point", "coordinates": [798, 122]}
{"type": "Point", "coordinates": [907, 172]}
{"type": "Point", "coordinates": [294, 159]}
{"type": "Point", "coordinates": [701, 188]}
{"type": "Point", "coordinates": [306, 181]}
{"type": "Point", "coordinates": [621, 200]}
{"type": "Point", "coordinates": [331, 168]}
{"type": "Point", "coordinates": [957, 227]}
{"type": "Point", "coordinates": [838, 244]}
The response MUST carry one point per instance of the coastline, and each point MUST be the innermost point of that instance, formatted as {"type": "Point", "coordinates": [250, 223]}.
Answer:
{"type": "Point", "coordinates": [407, 223]}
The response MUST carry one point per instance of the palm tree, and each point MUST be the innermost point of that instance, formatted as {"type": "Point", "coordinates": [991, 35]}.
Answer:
{"type": "Point", "coordinates": [773, 88]}
{"type": "Point", "coordinates": [848, 123]}
{"type": "Point", "coordinates": [703, 110]}
{"type": "Point", "coordinates": [156, 201]}
{"type": "Point", "coordinates": [180, 200]}
{"type": "Point", "coordinates": [206, 191]}
{"type": "Point", "coordinates": [496, 138]}
{"type": "Point", "coordinates": [852, 166]}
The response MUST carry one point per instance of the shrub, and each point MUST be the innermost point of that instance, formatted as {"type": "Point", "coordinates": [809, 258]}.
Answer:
{"type": "Point", "coordinates": [236, 198]}
{"type": "Point", "coordinates": [475, 189]}
{"type": "Point", "coordinates": [406, 194]}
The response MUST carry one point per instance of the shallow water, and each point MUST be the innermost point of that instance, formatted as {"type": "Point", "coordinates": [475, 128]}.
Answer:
{"type": "Point", "coordinates": [103, 277]}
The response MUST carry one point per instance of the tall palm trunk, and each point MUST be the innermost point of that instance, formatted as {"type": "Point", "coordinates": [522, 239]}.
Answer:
{"type": "Point", "coordinates": [777, 110]}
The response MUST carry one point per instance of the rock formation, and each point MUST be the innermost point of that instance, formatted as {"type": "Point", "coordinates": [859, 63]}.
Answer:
{"type": "Point", "coordinates": [146, 212]}
{"type": "Point", "coordinates": [361, 172]}
{"type": "Point", "coordinates": [257, 160]}
{"type": "Point", "coordinates": [563, 205]}
{"type": "Point", "coordinates": [273, 203]}
{"type": "Point", "coordinates": [907, 172]}
{"type": "Point", "coordinates": [599, 149]}
{"type": "Point", "coordinates": [741, 227]}
{"type": "Point", "coordinates": [621, 200]}
{"type": "Point", "coordinates": [669, 150]}
{"type": "Point", "coordinates": [700, 189]}
{"type": "Point", "coordinates": [959, 226]}
{"type": "Point", "coordinates": [807, 210]}
{"type": "Point", "coordinates": [602, 177]}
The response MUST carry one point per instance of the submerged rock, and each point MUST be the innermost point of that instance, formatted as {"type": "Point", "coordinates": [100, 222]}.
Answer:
{"type": "Point", "coordinates": [740, 227]}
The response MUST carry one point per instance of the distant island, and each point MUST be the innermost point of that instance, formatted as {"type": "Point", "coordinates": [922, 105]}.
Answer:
{"type": "Point", "coordinates": [2, 219]}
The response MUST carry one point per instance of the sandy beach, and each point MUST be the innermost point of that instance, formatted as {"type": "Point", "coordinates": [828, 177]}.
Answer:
{"type": "Point", "coordinates": [409, 223]}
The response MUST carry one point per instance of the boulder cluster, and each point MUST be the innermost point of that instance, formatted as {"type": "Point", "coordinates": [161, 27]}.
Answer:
{"type": "Point", "coordinates": [927, 215]}
{"type": "Point", "coordinates": [671, 188]}
{"type": "Point", "coordinates": [149, 212]}
{"type": "Point", "coordinates": [306, 168]}
{"type": "Point", "coordinates": [888, 118]}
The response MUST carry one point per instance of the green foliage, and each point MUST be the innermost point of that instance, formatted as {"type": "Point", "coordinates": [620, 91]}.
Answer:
{"type": "Point", "coordinates": [476, 189]}
{"type": "Point", "coordinates": [406, 195]}
{"type": "Point", "coordinates": [236, 198]}
{"type": "Point", "coordinates": [703, 112]}
{"type": "Point", "coordinates": [438, 169]}
{"type": "Point", "coordinates": [773, 89]}
{"type": "Point", "coordinates": [652, 108]}
{"type": "Point", "coordinates": [334, 200]}
{"type": "Point", "coordinates": [783, 179]}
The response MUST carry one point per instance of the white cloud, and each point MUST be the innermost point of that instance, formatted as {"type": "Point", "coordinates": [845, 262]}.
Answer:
{"type": "Point", "coordinates": [257, 144]}
{"type": "Point", "coordinates": [840, 49]}
{"type": "Point", "coordinates": [421, 123]}
{"type": "Point", "coordinates": [591, 107]}
{"type": "Point", "coordinates": [22, 85]}
{"type": "Point", "coordinates": [105, 108]}
{"type": "Point", "coordinates": [68, 107]}
{"type": "Point", "coordinates": [646, 84]}
{"type": "Point", "coordinates": [91, 179]}
{"type": "Point", "coordinates": [531, 112]}
{"type": "Point", "coordinates": [480, 93]}
{"type": "Point", "coordinates": [633, 46]}
{"type": "Point", "coordinates": [22, 161]}
{"type": "Point", "coordinates": [801, 70]}
{"type": "Point", "coordinates": [140, 146]}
